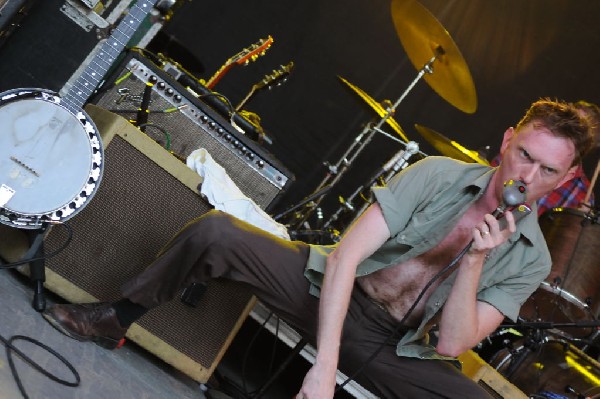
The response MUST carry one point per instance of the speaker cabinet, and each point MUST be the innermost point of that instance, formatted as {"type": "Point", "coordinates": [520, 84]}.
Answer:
{"type": "Point", "coordinates": [145, 197]}
{"type": "Point", "coordinates": [181, 123]}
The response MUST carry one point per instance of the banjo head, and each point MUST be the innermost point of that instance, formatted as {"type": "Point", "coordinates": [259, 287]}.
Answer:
{"type": "Point", "coordinates": [51, 159]}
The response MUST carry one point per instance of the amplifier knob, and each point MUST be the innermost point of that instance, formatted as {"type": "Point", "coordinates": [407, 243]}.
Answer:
{"type": "Point", "coordinates": [161, 85]}
{"type": "Point", "coordinates": [228, 137]}
{"type": "Point", "coordinates": [260, 163]}
{"type": "Point", "coordinates": [177, 98]}
{"type": "Point", "coordinates": [169, 92]}
{"type": "Point", "coordinates": [220, 131]}
{"type": "Point", "coordinates": [250, 156]}
{"type": "Point", "coordinates": [204, 118]}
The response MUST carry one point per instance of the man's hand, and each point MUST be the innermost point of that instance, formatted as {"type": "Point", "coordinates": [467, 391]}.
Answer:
{"type": "Point", "coordinates": [317, 384]}
{"type": "Point", "coordinates": [487, 234]}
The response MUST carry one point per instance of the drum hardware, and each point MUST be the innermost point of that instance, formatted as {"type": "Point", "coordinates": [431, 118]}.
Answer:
{"type": "Point", "coordinates": [426, 43]}
{"type": "Point", "coordinates": [337, 170]}
{"type": "Point", "coordinates": [542, 365]}
{"type": "Point", "coordinates": [396, 163]}
{"type": "Point", "coordinates": [570, 292]}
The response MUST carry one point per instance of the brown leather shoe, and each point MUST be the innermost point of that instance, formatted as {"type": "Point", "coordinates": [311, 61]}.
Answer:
{"type": "Point", "coordinates": [95, 322]}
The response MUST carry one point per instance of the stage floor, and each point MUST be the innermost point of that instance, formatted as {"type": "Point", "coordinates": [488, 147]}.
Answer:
{"type": "Point", "coordinates": [132, 372]}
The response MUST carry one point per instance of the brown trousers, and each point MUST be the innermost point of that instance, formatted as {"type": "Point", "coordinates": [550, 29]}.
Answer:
{"type": "Point", "coordinates": [217, 245]}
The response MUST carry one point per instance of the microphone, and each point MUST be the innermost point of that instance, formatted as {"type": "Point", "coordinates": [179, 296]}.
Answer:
{"type": "Point", "coordinates": [514, 193]}
{"type": "Point", "coordinates": [142, 112]}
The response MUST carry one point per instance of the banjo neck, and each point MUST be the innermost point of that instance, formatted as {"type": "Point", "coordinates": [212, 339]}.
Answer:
{"type": "Point", "coordinates": [92, 75]}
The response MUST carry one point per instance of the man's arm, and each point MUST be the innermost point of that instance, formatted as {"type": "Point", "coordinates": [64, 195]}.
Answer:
{"type": "Point", "coordinates": [362, 239]}
{"type": "Point", "coordinates": [466, 321]}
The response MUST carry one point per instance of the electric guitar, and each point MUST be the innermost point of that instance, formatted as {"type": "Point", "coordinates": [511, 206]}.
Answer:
{"type": "Point", "coordinates": [51, 155]}
{"type": "Point", "coordinates": [242, 58]}
{"type": "Point", "coordinates": [277, 78]}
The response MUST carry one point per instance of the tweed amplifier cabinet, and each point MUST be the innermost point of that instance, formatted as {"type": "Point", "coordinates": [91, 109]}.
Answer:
{"type": "Point", "coordinates": [181, 123]}
{"type": "Point", "coordinates": [145, 197]}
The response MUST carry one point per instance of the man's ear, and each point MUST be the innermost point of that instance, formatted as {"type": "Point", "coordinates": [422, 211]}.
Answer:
{"type": "Point", "coordinates": [508, 135]}
{"type": "Point", "coordinates": [570, 174]}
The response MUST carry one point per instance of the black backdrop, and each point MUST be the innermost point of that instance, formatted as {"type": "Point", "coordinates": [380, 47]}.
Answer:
{"type": "Point", "coordinates": [517, 51]}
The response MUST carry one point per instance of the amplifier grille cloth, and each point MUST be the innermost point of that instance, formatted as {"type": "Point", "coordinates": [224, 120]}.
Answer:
{"type": "Point", "coordinates": [137, 209]}
{"type": "Point", "coordinates": [186, 136]}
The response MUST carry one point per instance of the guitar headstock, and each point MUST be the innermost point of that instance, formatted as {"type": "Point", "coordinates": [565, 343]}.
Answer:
{"type": "Point", "coordinates": [252, 52]}
{"type": "Point", "coordinates": [278, 77]}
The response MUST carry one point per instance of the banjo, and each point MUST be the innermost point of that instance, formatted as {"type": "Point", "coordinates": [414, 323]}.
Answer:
{"type": "Point", "coordinates": [51, 154]}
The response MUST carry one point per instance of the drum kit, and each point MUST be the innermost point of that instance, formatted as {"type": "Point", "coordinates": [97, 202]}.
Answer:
{"type": "Point", "coordinates": [549, 352]}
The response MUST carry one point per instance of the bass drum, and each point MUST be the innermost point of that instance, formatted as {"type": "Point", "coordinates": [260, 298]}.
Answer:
{"type": "Point", "coordinates": [571, 292]}
{"type": "Point", "coordinates": [555, 367]}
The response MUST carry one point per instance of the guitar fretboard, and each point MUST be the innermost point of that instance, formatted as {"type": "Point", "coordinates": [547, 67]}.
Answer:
{"type": "Point", "coordinates": [93, 74]}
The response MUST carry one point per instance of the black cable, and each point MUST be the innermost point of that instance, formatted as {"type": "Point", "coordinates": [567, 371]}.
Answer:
{"type": "Point", "coordinates": [400, 324]}
{"type": "Point", "coordinates": [231, 110]}
{"type": "Point", "coordinates": [13, 265]}
{"type": "Point", "coordinates": [10, 348]}
{"type": "Point", "coordinates": [274, 350]}
{"type": "Point", "coordinates": [247, 353]}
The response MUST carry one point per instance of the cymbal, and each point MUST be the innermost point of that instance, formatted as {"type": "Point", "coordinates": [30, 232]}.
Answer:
{"type": "Point", "coordinates": [450, 148]}
{"type": "Point", "coordinates": [422, 37]}
{"type": "Point", "coordinates": [378, 108]}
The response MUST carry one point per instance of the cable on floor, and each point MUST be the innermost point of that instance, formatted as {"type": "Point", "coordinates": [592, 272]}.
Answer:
{"type": "Point", "coordinates": [10, 348]}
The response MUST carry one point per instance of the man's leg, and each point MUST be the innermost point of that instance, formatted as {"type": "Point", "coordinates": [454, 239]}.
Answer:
{"type": "Point", "coordinates": [366, 330]}
{"type": "Point", "coordinates": [215, 245]}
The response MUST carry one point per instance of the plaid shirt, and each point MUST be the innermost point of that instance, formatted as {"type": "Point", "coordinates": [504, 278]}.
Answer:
{"type": "Point", "coordinates": [570, 195]}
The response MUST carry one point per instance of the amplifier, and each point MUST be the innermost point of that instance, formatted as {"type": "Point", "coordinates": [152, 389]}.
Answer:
{"type": "Point", "coordinates": [146, 196]}
{"type": "Point", "coordinates": [182, 123]}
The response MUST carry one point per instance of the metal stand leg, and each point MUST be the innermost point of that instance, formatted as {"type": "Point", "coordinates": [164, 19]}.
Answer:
{"type": "Point", "coordinates": [37, 270]}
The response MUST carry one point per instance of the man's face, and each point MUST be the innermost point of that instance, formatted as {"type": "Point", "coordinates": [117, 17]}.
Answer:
{"type": "Point", "coordinates": [538, 158]}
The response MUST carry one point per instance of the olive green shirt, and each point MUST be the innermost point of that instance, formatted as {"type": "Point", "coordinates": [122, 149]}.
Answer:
{"type": "Point", "coordinates": [421, 205]}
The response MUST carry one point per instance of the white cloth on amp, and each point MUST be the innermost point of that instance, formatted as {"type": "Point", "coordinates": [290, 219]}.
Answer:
{"type": "Point", "coordinates": [222, 193]}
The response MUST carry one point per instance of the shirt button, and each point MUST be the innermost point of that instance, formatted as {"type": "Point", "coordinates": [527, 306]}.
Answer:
{"type": "Point", "coordinates": [437, 303]}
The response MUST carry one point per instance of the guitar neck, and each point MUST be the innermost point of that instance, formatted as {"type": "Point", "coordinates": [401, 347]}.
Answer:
{"type": "Point", "coordinates": [93, 74]}
{"type": "Point", "coordinates": [217, 76]}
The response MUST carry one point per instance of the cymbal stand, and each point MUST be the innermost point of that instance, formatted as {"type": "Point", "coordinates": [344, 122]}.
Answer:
{"type": "Point", "coordinates": [427, 68]}
{"type": "Point", "coordinates": [336, 171]}
{"type": "Point", "coordinates": [398, 162]}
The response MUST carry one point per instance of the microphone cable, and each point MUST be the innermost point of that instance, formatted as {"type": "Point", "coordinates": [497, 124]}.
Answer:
{"type": "Point", "coordinates": [408, 313]}
{"type": "Point", "coordinates": [513, 194]}
{"type": "Point", "coordinates": [14, 265]}
{"type": "Point", "coordinates": [10, 348]}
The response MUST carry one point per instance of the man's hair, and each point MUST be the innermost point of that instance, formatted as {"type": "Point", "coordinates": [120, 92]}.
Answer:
{"type": "Point", "coordinates": [563, 120]}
